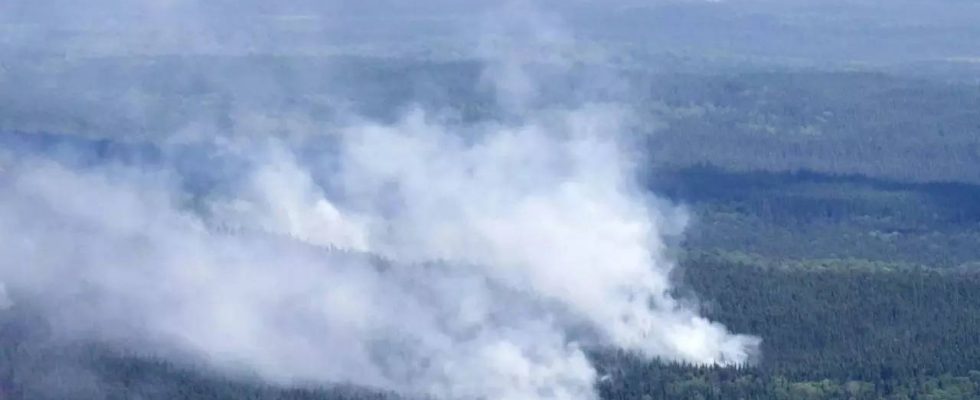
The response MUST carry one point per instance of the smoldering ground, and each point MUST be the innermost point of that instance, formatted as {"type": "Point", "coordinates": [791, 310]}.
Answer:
{"type": "Point", "coordinates": [424, 253]}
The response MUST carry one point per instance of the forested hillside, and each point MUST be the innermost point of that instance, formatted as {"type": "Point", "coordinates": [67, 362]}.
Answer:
{"type": "Point", "coordinates": [895, 126]}
{"type": "Point", "coordinates": [836, 215]}
{"type": "Point", "coordinates": [861, 289]}
{"type": "Point", "coordinates": [829, 334]}
{"type": "Point", "coordinates": [815, 219]}
{"type": "Point", "coordinates": [489, 200]}
{"type": "Point", "coordinates": [872, 124]}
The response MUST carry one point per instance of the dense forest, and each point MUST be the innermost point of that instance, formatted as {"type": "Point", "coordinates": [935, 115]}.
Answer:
{"type": "Point", "coordinates": [860, 121]}
{"type": "Point", "coordinates": [878, 298]}
{"type": "Point", "coordinates": [810, 218]}
{"type": "Point", "coordinates": [867, 123]}
{"type": "Point", "coordinates": [829, 334]}
{"type": "Point", "coordinates": [834, 214]}
{"type": "Point", "coordinates": [838, 334]}
{"type": "Point", "coordinates": [823, 156]}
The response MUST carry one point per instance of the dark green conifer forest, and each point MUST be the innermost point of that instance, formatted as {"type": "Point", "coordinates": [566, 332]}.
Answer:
{"type": "Point", "coordinates": [826, 156]}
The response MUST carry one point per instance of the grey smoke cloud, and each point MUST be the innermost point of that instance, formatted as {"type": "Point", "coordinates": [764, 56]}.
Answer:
{"type": "Point", "coordinates": [427, 254]}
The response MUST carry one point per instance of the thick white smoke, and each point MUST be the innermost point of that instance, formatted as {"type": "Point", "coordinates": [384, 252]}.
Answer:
{"type": "Point", "coordinates": [444, 258]}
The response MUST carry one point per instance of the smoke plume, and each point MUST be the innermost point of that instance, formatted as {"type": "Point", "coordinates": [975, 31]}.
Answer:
{"type": "Point", "coordinates": [429, 254]}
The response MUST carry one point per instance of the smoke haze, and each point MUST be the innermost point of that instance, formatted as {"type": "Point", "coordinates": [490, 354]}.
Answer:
{"type": "Point", "coordinates": [427, 254]}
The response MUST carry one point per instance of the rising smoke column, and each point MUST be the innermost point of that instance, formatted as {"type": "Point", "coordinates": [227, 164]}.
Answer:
{"type": "Point", "coordinates": [508, 246]}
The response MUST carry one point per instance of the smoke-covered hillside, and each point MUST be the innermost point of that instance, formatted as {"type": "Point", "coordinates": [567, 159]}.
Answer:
{"type": "Point", "coordinates": [471, 200]}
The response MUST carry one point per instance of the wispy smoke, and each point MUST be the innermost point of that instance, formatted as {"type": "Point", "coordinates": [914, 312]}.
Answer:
{"type": "Point", "coordinates": [429, 255]}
